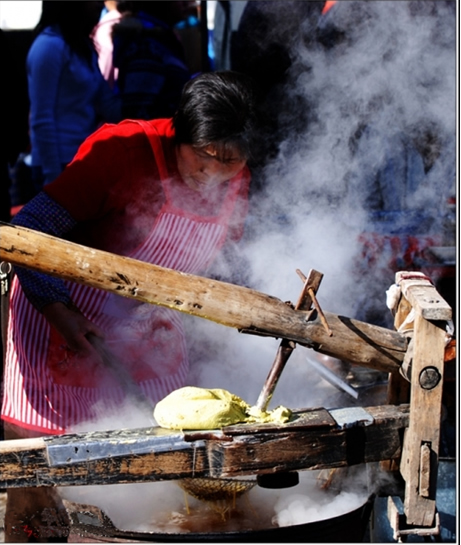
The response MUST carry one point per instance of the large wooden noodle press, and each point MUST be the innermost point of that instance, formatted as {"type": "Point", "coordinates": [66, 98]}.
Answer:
{"type": "Point", "coordinates": [402, 434]}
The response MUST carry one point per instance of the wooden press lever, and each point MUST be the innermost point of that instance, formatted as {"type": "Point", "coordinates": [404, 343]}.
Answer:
{"type": "Point", "coordinates": [286, 347]}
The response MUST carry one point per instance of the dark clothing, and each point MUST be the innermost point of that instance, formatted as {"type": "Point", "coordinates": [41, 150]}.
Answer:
{"type": "Point", "coordinates": [152, 69]}
{"type": "Point", "coordinates": [5, 202]}
{"type": "Point", "coordinates": [264, 47]}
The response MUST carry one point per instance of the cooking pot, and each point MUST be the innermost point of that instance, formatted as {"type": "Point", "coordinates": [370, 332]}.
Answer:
{"type": "Point", "coordinates": [90, 524]}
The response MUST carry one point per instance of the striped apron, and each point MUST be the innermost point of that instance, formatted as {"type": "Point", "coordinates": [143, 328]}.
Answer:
{"type": "Point", "coordinates": [48, 389]}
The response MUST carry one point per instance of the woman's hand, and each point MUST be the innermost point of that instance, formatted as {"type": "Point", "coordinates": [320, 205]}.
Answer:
{"type": "Point", "coordinates": [72, 325]}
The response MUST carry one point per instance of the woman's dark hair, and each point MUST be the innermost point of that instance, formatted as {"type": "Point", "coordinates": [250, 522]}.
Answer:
{"type": "Point", "coordinates": [76, 19]}
{"type": "Point", "coordinates": [218, 108]}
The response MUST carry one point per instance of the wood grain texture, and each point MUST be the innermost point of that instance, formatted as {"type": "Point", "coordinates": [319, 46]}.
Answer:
{"type": "Point", "coordinates": [312, 441]}
{"type": "Point", "coordinates": [228, 304]}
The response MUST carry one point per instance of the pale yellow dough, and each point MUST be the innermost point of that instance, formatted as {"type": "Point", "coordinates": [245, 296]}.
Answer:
{"type": "Point", "coordinates": [193, 408]}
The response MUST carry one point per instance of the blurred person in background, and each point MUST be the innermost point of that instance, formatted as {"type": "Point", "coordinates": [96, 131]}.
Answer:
{"type": "Point", "coordinates": [264, 47]}
{"type": "Point", "coordinates": [102, 38]}
{"type": "Point", "coordinates": [226, 21]}
{"type": "Point", "coordinates": [150, 60]}
{"type": "Point", "coordinates": [402, 169]}
{"type": "Point", "coordinates": [405, 189]}
{"type": "Point", "coordinates": [69, 98]}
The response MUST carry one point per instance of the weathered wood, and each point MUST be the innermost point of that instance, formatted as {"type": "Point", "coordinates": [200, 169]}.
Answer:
{"type": "Point", "coordinates": [286, 347]}
{"type": "Point", "coordinates": [423, 313]}
{"type": "Point", "coordinates": [398, 390]}
{"type": "Point", "coordinates": [423, 296]}
{"type": "Point", "coordinates": [402, 529]}
{"type": "Point", "coordinates": [313, 440]}
{"type": "Point", "coordinates": [422, 438]}
{"type": "Point", "coordinates": [233, 306]}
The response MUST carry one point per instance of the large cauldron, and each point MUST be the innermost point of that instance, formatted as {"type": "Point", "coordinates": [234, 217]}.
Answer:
{"type": "Point", "coordinates": [90, 524]}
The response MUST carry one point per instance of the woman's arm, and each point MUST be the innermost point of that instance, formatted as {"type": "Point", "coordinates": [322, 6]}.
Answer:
{"type": "Point", "coordinates": [84, 192]}
{"type": "Point", "coordinates": [72, 325]}
{"type": "Point", "coordinates": [48, 294]}
{"type": "Point", "coordinates": [43, 214]}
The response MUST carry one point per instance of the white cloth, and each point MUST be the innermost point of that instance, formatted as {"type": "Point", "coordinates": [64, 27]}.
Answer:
{"type": "Point", "coordinates": [102, 37]}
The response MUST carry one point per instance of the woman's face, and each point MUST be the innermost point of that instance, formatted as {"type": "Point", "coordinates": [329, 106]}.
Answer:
{"type": "Point", "coordinates": [200, 168]}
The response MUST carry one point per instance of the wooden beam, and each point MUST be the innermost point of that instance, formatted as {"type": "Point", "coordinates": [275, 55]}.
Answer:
{"type": "Point", "coordinates": [233, 306]}
{"type": "Point", "coordinates": [313, 439]}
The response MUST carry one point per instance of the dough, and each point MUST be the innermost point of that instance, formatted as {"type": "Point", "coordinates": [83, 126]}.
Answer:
{"type": "Point", "coordinates": [193, 408]}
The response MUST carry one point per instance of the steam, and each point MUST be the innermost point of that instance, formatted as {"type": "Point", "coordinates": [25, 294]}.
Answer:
{"type": "Point", "coordinates": [300, 509]}
{"type": "Point", "coordinates": [394, 74]}
{"type": "Point", "coordinates": [154, 507]}
{"type": "Point", "coordinates": [128, 415]}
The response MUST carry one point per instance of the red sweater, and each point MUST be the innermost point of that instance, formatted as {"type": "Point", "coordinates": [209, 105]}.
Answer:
{"type": "Point", "coordinates": [112, 188]}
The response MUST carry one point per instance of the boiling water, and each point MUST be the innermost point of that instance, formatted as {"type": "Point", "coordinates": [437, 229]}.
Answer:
{"type": "Point", "coordinates": [163, 507]}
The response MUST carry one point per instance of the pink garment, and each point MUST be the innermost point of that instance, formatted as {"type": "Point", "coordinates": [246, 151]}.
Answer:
{"type": "Point", "coordinates": [102, 37]}
{"type": "Point", "coordinates": [48, 389]}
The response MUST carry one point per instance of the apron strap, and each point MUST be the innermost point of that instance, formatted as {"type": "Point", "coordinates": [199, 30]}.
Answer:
{"type": "Point", "coordinates": [156, 145]}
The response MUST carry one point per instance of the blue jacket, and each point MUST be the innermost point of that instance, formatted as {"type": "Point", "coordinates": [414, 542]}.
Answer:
{"type": "Point", "coordinates": [68, 100]}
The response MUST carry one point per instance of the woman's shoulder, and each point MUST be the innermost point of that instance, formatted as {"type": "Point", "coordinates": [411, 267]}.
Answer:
{"type": "Point", "coordinates": [163, 128]}
{"type": "Point", "coordinates": [127, 134]}
{"type": "Point", "coordinates": [130, 134]}
{"type": "Point", "coordinates": [50, 35]}
{"type": "Point", "coordinates": [49, 42]}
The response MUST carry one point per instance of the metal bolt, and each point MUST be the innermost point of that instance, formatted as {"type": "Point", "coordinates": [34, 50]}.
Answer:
{"type": "Point", "coordinates": [429, 378]}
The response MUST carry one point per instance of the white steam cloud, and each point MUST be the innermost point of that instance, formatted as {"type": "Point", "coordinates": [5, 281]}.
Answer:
{"type": "Point", "coordinates": [393, 73]}
{"type": "Point", "coordinates": [162, 507]}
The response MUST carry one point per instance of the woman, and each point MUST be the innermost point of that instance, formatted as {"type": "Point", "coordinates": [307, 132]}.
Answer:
{"type": "Point", "coordinates": [167, 191]}
{"type": "Point", "coordinates": [69, 97]}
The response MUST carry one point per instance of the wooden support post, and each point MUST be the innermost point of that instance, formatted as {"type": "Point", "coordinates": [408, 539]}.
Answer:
{"type": "Point", "coordinates": [421, 440]}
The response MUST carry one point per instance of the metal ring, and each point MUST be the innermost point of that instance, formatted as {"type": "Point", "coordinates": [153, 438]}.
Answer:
{"type": "Point", "coordinates": [9, 267]}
